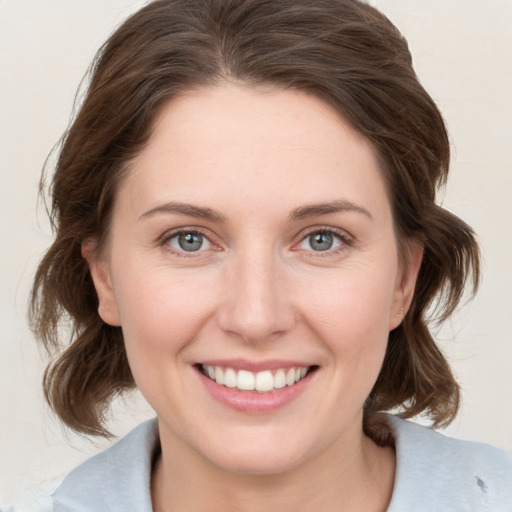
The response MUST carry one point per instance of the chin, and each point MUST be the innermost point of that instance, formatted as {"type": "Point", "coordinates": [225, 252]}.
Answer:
{"type": "Point", "coordinates": [259, 463]}
{"type": "Point", "coordinates": [268, 453]}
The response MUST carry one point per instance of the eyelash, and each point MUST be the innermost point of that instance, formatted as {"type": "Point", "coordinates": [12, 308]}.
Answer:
{"type": "Point", "coordinates": [345, 239]}
{"type": "Point", "coordinates": [342, 236]}
{"type": "Point", "coordinates": [167, 237]}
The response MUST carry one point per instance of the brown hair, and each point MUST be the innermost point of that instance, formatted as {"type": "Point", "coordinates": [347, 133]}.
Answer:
{"type": "Point", "coordinates": [343, 51]}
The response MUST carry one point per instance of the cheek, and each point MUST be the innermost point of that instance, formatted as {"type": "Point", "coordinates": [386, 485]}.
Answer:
{"type": "Point", "coordinates": [161, 316]}
{"type": "Point", "coordinates": [161, 311]}
{"type": "Point", "coordinates": [354, 302]}
{"type": "Point", "coordinates": [351, 317]}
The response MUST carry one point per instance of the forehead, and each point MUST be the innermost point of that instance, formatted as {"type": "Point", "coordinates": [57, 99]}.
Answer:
{"type": "Point", "coordinates": [253, 145]}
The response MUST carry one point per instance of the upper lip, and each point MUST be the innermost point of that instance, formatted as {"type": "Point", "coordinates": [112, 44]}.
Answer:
{"type": "Point", "coordinates": [255, 366]}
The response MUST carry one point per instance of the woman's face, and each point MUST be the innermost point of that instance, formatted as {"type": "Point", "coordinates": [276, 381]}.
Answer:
{"type": "Point", "coordinates": [252, 245]}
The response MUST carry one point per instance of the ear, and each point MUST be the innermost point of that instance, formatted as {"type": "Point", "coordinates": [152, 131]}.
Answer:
{"type": "Point", "coordinates": [406, 283]}
{"type": "Point", "coordinates": [100, 272]}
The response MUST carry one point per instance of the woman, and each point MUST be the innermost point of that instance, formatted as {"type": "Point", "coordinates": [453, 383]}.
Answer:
{"type": "Point", "coordinates": [247, 231]}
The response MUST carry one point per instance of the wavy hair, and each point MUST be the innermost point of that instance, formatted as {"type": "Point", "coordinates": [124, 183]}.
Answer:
{"type": "Point", "coordinates": [342, 51]}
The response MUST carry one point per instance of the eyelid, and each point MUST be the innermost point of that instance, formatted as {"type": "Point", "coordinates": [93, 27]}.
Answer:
{"type": "Point", "coordinates": [346, 239]}
{"type": "Point", "coordinates": [164, 239]}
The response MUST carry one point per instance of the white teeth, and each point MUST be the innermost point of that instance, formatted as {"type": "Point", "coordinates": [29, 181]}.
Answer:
{"type": "Point", "coordinates": [245, 380]}
{"type": "Point", "coordinates": [230, 378]}
{"type": "Point", "coordinates": [264, 381]}
{"type": "Point", "coordinates": [280, 379]}
{"type": "Point", "coordinates": [290, 377]}
{"type": "Point", "coordinates": [219, 375]}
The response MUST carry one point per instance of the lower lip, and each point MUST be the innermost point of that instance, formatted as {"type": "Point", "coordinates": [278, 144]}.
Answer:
{"type": "Point", "coordinates": [251, 402]}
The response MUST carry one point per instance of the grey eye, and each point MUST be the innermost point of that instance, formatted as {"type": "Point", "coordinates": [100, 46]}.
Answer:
{"type": "Point", "coordinates": [189, 242]}
{"type": "Point", "coordinates": [321, 241]}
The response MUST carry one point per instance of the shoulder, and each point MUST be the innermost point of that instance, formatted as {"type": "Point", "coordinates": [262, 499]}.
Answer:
{"type": "Point", "coordinates": [116, 479]}
{"type": "Point", "coordinates": [38, 502]}
{"type": "Point", "coordinates": [448, 474]}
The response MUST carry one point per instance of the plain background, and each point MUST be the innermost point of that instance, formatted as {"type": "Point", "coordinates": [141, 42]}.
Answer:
{"type": "Point", "coordinates": [463, 55]}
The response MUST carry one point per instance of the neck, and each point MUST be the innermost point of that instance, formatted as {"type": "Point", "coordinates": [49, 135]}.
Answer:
{"type": "Point", "coordinates": [348, 477]}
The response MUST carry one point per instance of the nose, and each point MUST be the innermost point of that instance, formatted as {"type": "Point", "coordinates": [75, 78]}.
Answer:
{"type": "Point", "coordinates": [256, 304]}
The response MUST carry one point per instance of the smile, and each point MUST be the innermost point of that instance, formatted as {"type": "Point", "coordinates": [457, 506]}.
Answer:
{"type": "Point", "coordinates": [262, 382]}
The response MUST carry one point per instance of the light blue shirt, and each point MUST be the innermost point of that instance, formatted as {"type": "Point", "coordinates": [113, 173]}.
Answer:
{"type": "Point", "coordinates": [434, 473]}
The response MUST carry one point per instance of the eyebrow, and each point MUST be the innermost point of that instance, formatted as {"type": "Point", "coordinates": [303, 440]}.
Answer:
{"type": "Point", "coordinates": [342, 205]}
{"type": "Point", "coordinates": [189, 210]}
{"type": "Point", "coordinates": [299, 213]}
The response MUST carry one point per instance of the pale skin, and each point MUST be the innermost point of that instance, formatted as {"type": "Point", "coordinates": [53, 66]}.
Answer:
{"type": "Point", "coordinates": [257, 177]}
